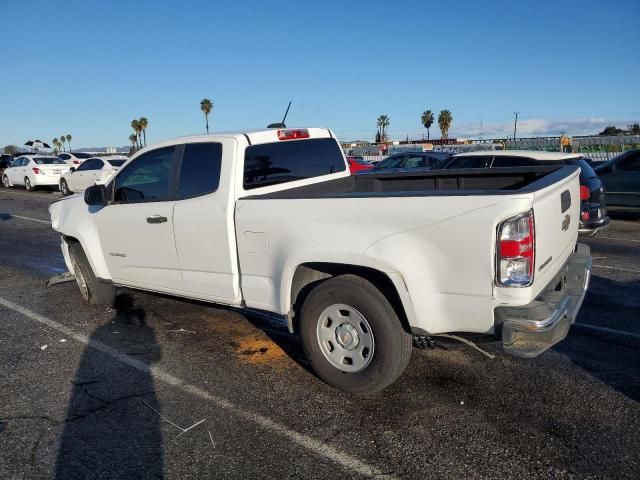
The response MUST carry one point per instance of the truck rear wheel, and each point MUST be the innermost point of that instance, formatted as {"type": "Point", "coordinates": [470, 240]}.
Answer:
{"type": "Point", "coordinates": [93, 291]}
{"type": "Point", "coordinates": [352, 335]}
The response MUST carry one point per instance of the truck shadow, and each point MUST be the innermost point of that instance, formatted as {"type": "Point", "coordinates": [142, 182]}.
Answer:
{"type": "Point", "coordinates": [110, 430]}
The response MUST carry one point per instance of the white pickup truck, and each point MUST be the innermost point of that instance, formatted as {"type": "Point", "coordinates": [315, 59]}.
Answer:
{"type": "Point", "coordinates": [272, 220]}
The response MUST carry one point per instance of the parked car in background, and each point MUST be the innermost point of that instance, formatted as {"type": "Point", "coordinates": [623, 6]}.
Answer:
{"type": "Point", "coordinates": [92, 170]}
{"type": "Point", "coordinates": [412, 161]}
{"type": "Point", "coordinates": [5, 161]}
{"type": "Point", "coordinates": [32, 171]}
{"type": "Point", "coordinates": [593, 207]}
{"type": "Point", "coordinates": [357, 164]}
{"type": "Point", "coordinates": [75, 158]}
{"type": "Point", "coordinates": [621, 178]}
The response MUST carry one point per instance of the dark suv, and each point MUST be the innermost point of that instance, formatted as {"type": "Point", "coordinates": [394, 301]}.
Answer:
{"type": "Point", "coordinates": [5, 161]}
{"type": "Point", "coordinates": [593, 207]}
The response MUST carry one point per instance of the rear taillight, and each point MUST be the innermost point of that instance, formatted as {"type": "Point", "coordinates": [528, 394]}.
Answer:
{"type": "Point", "coordinates": [585, 216]}
{"type": "Point", "coordinates": [77, 162]}
{"type": "Point", "coordinates": [584, 193]}
{"type": "Point", "coordinates": [37, 171]}
{"type": "Point", "coordinates": [516, 251]}
{"type": "Point", "coordinates": [293, 134]}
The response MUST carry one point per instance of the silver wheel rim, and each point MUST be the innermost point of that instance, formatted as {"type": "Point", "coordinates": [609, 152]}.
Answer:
{"type": "Point", "coordinates": [5, 180]}
{"type": "Point", "coordinates": [63, 187]}
{"type": "Point", "coordinates": [82, 283]}
{"type": "Point", "coordinates": [345, 338]}
{"type": "Point", "coordinates": [27, 183]}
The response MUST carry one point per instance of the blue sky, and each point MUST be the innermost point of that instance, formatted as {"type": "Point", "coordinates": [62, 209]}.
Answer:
{"type": "Point", "coordinates": [88, 67]}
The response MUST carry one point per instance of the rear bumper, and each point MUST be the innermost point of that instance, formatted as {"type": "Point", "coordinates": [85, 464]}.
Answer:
{"type": "Point", "coordinates": [529, 330]}
{"type": "Point", "coordinates": [591, 228]}
{"type": "Point", "coordinates": [45, 180]}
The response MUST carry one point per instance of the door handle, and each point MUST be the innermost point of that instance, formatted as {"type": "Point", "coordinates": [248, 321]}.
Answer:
{"type": "Point", "coordinates": [156, 219]}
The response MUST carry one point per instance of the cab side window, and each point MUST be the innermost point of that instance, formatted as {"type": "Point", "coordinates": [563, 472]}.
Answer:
{"type": "Point", "coordinates": [147, 178]}
{"type": "Point", "coordinates": [200, 169]}
{"type": "Point", "coordinates": [630, 164]}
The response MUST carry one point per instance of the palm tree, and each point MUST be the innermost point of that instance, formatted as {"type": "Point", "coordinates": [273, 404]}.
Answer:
{"type": "Point", "coordinates": [62, 140]}
{"type": "Point", "coordinates": [383, 123]}
{"type": "Point", "coordinates": [427, 120]}
{"type": "Point", "coordinates": [206, 106]}
{"type": "Point", "coordinates": [135, 124]}
{"type": "Point", "coordinates": [133, 138]}
{"type": "Point", "coordinates": [144, 123]}
{"type": "Point", "coordinates": [444, 122]}
{"type": "Point", "coordinates": [68, 137]}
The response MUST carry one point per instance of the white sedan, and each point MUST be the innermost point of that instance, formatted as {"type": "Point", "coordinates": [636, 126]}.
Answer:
{"type": "Point", "coordinates": [96, 169]}
{"type": "Point", "coordinates": [33, 171]}
{"type": "Point", "coordinates": [75, 158]}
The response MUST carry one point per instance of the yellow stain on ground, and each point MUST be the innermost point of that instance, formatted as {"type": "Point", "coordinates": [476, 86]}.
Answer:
{"type": "Point", "coordinates": [258, 351]}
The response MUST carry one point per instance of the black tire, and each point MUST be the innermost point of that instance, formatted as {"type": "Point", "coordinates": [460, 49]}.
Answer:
{"type": "Point", "coordinates": [93, 291]}
{"type": "Point", "coordinates": [392, 343]}
{"type": "Point", "coordinates": [27, 185]}
{"type": "Point", "coordinates": [64, 188]}
{"type": "Point", "coordinates": [5, 181]}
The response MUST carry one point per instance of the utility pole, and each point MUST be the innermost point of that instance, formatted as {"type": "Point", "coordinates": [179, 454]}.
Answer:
{"type": "Point", "coordinates": [515, 125]}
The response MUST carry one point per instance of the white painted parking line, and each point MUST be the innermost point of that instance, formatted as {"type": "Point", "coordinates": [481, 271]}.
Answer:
{"type": "Point", "coordinates": [29, 218]}
{"type": "Point", "coordinates": [617, 268]}
{"type": "Point", "coordinates": [314, 446]}
{"type": "Point", "coordinates": [609, 330]}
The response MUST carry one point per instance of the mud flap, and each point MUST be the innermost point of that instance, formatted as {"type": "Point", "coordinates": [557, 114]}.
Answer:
{"type": "Point", "coordinates": [62, 278]}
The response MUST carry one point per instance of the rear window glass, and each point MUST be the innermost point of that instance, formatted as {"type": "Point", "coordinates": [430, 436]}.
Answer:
{"type": "Point", "coordinates": [116, 163]}
{"type": "Point", "coordinates": [49, 161]}
{"type": "Point", "coordinates": [471, 161]}
{"type": "Point", "coordinates": [200, 169]}
{"type": "Point", "coordinates": [585, 169]}
{"type": "Point", "coordinates": [82, 155]}
{"type": "Point", "coordinates": [287, 161]}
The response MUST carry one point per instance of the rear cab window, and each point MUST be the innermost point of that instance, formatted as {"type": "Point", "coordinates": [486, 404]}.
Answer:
{"type": "Point", "coordinates": [471, 161]}
{"type": "Point", "coordinates": [287, 161]}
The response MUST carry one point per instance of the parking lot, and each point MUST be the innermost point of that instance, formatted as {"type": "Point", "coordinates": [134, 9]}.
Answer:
{"type": "Point", "coordinates": [161, 387]}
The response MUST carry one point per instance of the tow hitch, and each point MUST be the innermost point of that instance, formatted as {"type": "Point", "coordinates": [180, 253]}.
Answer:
{"type": "Point", "coordinates": [62, 278]}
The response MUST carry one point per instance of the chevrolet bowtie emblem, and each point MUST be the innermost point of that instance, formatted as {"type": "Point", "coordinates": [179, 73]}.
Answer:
{"type": "Point", "coordinates": [566, 222]}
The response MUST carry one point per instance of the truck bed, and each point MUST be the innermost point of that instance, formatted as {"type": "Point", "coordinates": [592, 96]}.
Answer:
{"type": "Point", "coordinates": [471, 181]}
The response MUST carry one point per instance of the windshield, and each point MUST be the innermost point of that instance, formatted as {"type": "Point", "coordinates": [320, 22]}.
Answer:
{"type": "Point", "coordinates": [393, 162]}
{"type": "Point", "coordinates": [116, 163]}
{"type": "Point", "coordinates": [49, 161]}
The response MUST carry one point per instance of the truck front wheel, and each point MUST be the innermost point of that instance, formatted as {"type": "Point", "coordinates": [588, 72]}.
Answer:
{"type": "Point", "coordinates": [352, 335]}
{"type": "Point", "coordinates": [93, 291]}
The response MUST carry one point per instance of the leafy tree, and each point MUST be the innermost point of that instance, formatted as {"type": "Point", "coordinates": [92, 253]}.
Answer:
{"type": "Point", "coordinates": [444, 122]}
{"type": "Point", "coordinates": [62, 140]}
{"type": "Point", "coordinates": [68, 137]}
{"type": "Point", "coordinates": [635, 129]}
{"type": "Point", "coordinates": [144, 123]}
{"type": "Point", "coordinates": [206, 106]}
{"type": "Point", "coordinates": [133, 138]}
{"type": "Point", "coordinates": [427, 120]}
{"type": "Point", "coordinates": [135, 124]}
{"type": "Point", "coordinates": [56, 144]}
{"type": "Point", "coordinates": [383, 122]}
{"type": "Point", "coordinates": [11, 149]}
{"type": "Point", "coordinates": [611, 130]}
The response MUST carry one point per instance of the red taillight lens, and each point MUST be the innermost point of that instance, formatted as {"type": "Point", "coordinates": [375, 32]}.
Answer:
{"type": "Point", "coordinates": [585, 216]}
{"type": "Point", "coordinates": [36, 170]}
{"type": "Point", "coordinates": [584, 193]}
{"type": "Point", "coordinates": [515, 258]}
{"type": "Point", "coordinates": [293, 134]}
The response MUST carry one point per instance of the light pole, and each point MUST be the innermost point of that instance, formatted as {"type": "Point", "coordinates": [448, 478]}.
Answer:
{"type": "Point", "coordinates": [515, 125]}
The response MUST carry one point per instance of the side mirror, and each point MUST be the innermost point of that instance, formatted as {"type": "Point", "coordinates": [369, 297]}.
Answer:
{"type": "Point", "coordinates": [96, 195]}
{"type": "Point", "coordinates": [72, 169]}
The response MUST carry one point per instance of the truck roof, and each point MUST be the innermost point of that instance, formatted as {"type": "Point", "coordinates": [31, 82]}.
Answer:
{"type": "Point", "coordinates": [252, 136]}
{"type": "Point", "coordinates": [535, 154]}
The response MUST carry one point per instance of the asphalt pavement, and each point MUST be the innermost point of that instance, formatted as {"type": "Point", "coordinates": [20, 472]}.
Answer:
{"type": "Point", "coordinates": [158, 387]}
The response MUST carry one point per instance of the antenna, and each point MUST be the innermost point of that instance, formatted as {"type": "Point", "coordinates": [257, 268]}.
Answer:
{"type": "Point", "coordinates": [281, 124]}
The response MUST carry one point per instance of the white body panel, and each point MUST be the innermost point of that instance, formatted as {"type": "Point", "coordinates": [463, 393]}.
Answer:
{"type": "Point", "coordinates": [439, 250]}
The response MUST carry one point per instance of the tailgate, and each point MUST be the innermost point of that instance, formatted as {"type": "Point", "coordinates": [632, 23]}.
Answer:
{"type": "Point", "coordinates": [556, 209]}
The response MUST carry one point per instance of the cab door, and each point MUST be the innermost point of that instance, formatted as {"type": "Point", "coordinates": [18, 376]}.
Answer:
{"type": "Point", "coordinates": [622, 183]}
{"type": "Point", "coordinates": [136, 228]}
{"type": "Point", "coordinates": [204, 221]}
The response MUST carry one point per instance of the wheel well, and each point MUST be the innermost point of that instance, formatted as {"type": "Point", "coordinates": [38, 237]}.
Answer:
{"type": "Point", "coordinates": [309, 275]}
